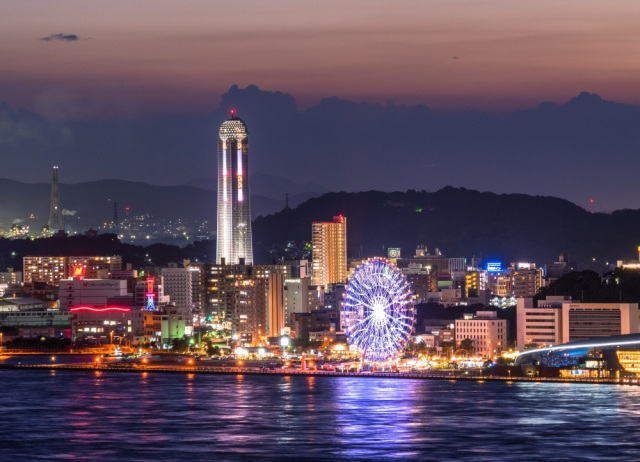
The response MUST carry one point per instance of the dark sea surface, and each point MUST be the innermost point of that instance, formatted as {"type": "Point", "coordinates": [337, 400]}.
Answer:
{"type": "Point", "coordinates": [105, 416]}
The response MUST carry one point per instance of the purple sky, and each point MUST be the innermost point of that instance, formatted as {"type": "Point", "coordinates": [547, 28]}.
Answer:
{"type": "Point", "coordinates": [168, 56]}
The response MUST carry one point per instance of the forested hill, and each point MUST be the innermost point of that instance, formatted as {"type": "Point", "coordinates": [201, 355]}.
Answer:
{"type": "Point", "coordinates": [461, 222]}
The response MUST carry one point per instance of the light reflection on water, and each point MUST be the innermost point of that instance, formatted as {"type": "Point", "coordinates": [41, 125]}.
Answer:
{"type": "Point", "coordinates": [141, 416]}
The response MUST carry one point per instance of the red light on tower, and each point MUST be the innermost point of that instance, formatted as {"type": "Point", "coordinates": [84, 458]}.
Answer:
{"type": "Point", "coordinates": [150, 295]}
{"type": "Point", "coordinates": [150, 281]}
{"type": "Point", "coordinates": [233, 112]}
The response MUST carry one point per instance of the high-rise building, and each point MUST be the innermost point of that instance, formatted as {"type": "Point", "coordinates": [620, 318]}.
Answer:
{"type": "Point", "coordinates": [329, 246]}
{"type": "Point", "coordinates": [296, 297]}
{"type": "Point", "coordinates": [276, 300]}
{"type": "Point", "coordinates": [52, 269]}
{"type": "Point", "coordinates": [178, 286]}
{"type": "Point", "coordinates": [234, 209]}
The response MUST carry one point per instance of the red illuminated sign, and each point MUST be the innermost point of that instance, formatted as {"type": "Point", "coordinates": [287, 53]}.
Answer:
{"type": "Point", "coordinates": [101, 309]}
{"type": "Point", "coordinates": [78, 271]}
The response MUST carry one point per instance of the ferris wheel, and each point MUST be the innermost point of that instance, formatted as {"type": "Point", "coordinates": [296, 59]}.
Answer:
{"type": "Point", "coordinates": [378, 310]}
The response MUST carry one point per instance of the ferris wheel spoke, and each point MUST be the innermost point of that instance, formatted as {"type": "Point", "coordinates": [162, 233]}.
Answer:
{"type": "Point", "coordinates": [378, 310]}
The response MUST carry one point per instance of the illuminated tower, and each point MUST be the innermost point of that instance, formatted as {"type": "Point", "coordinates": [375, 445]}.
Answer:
{"type": "Point", "coordinates": [55, 219]}
{"type": "Point", "coordinates": [329, 251]}
{"type": "Point", "coordinates": [234, 208]}
{"type": "Point", "coordinates": [150, 295]}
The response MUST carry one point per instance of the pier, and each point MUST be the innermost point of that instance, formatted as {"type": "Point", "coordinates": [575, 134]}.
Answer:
{"type": "Point", "coordinates": [235, 370]}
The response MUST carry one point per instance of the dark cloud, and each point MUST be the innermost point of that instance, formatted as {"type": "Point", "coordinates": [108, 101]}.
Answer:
{"type": "Point", "coordinates": [61, 37]}
{"type": "Point", "coordinates": [585, 148]}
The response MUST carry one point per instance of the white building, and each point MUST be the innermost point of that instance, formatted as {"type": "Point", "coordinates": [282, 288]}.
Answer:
{"type": "Point", "coordinates": [89, 292]}
{"type": "Point", "coordinates": [489, 334]}
{"type": "Point", "coordinates": [541, 325]}
{"type": "Point", "coordinates": [582, 321]}
{"type": "Point", "coordinates": [557, 320]}
{"type": "Point", "coordinates": [296, 296]}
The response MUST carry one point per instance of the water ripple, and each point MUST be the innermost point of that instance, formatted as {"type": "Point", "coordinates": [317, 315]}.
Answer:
{"type": "Point", "coordinates": [73, 415]}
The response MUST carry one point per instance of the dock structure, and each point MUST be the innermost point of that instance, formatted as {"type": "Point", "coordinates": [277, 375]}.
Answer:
{"type": "Point", "coordinates": [196, 369]}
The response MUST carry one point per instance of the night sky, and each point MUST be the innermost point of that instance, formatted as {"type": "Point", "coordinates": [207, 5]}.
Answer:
{"type": "Point", "coordinates": [479, 94]}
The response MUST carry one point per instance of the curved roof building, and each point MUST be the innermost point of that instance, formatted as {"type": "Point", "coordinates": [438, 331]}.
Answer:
{"type": "Point", "coordinates": [618, 352]}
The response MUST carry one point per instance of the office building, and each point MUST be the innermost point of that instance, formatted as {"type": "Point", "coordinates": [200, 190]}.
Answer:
{"type": "Point", "coordinates": [296, 297]}
{"type": "Point", "coordinates": [178, 286]}
{"type": "Point", "coordinates": [489, 334]}
{"type": "Point", "coordinates": [539, 325]}
{"type": "Point", "coordinates": [582, 321]}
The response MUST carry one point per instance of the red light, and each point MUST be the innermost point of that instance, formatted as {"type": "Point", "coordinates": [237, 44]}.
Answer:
{"type": "Point", "coordinates": [127, 208]}
{"type": "Point", "coordinates": [150, 281]}
{"type": "Point", "coordinates": [233, 112]}
{"type": "Point", "coordinates": [591, 201]}
{"type": "Point", "coordinates": [105, 309]}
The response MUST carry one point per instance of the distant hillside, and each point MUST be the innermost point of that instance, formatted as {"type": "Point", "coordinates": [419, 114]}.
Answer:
{"type": "Point", "coordinates": [462, 222]}
{"type": "Point", "coordinates": [90, 204]}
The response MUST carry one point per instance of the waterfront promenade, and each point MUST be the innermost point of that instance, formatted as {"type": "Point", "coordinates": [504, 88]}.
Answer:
{"type": "Point", "coordinates": [235, 370]}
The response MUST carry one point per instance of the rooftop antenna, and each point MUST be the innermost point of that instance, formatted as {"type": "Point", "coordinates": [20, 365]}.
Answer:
{"type": "Point", "coordinates": [115, 217]}
{"type": "Point", "coordinates": [55, 222]}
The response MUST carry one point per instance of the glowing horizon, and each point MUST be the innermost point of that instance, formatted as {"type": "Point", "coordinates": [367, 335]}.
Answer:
{"type": "Point", "coordinates": [162, 56]}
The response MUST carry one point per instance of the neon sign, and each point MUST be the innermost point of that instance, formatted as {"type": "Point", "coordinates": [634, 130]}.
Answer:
{"type": "Point", "coordinates": [78, 271]}
{"type": "Point", "coordinates": [106, 309]}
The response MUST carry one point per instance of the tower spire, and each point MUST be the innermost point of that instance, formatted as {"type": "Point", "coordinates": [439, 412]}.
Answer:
{"type": "Point", "coordinates": [55, 220]}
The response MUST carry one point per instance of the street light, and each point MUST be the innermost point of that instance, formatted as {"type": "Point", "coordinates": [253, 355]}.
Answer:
{"type": "Point", "coordinates": [284, 341]}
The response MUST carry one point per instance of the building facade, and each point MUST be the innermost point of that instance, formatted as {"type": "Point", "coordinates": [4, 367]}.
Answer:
{"type": "Point", "coordinates": [329, 251]}
{"type": "Point", "coordinates": [583, 321]}
{"type": "Point", "coordinates": [488, 333]}
{"type": "Point", "coordinates": [52, 269]}
{"type": "Point", "coordinates": [234, 244]}
{"type": "Point", "coordinates": [89, 292]}
{"type": "Point", "coordinates": [296, 297]}
{"type": "Point", "coordinates": [178, 286]}
{"type": "Point", "coordinates": [276, 283]}
{"type": "Point", "coordinates": [540, 325]}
